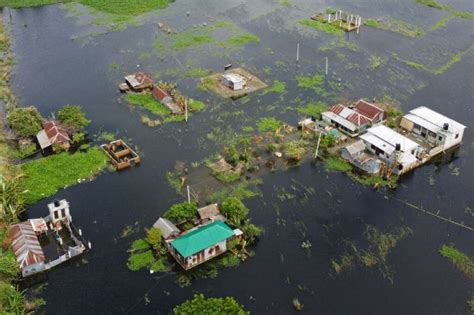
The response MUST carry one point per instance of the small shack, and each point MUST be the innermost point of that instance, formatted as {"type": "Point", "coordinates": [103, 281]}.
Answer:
{"type": "Point", "coordinates": [167, 228]}
{"type": "Point", "coordinates": [234, 81]}
{"type": "Point", "coordinates": [164, 98]}
{"type": "Point", "coordinates": [353, 150]}
{"type": "Point", "coordinates": [355, 154]}
{"type": "Point", "coordinates": [210, 213]}
{"type": "Point", "coordinates": [53, 134]}
{"type": "Point", "coordinates": [121, 155]}
{"type": "Point", "coordinates": [137, 82]}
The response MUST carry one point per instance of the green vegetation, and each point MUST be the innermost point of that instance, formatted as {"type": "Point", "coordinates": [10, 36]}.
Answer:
{"type": "Point", "coordinates": [294, 150]}
{"type": "Point", "coordinates": [243, 39]}
{"type": "Point", "coordinates": [241, 190]}
{"type": "Point", "coordinates": [234, 209]}
{"type": "Point", "coordinates": [147, 101]}
{"type": "Point", "coordinates": [433, 4]}
{"type": "Point", "coordinates": [181, 212]}
{"type": "Point", "coordinates": [396, 26]}
{"type": "Point", "coordinates": [463, 14]}
{"type": "Point", "coordinates": [25, 121]}
{"type": "Point", "coordinates": [414, 65]}
{"type": "Point", "coordinates": [335, 164]}
{"type": "Point", "coordinates": [73, 116]}
{"type": "Point", "coordinates": [44, 177]}
{"type": "Point", "coordinates": [454, 59]}
{"type": "Point", "coordinates": [198, 73]}
{"type": "Point", "coordinates": [375, 62]}
{"type": "Point", "coordinates": [470, 304]}
{"type": "Point", "coordinates": [109, 6]}
{"type": "Point", "coordinates": [186, 40]}
{"type": "Point", "coordinates": [464, 263]}
{"type": "Point", "coordinates": [285, 3]}
{"type": "Point", "coordinates": [175, 181]}
{"type": "Point", "coordinates": [277, 87]}
{"type": "Point", "coordinates": [323, 26]}
{"type": "Point", "coordinates": [312, 109]}
{"type": "Point", "coordinates": [377, 181]}
{"type": "Point", "coordinates": [148, 252]}
{"type": "Point", "coordinates": [195, 105]}
{"type": "Point", "coordinates": [202, 305]}
{"type": "Point", "coordinates": [315, 83]}
{"type": "Point", "coordinates": [266, 124]}
{"type": "Point", "coordinates": [380, 245]}
{"type": "Point", "coordinates": [442, 22]}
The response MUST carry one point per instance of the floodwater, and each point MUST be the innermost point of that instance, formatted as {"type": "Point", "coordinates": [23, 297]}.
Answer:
{"type": "Point", "coordinates": [64, 59]}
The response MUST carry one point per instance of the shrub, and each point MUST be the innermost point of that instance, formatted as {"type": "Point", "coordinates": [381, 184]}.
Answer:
{"type": "Point", "coordinates": [26, 121]}
{"type": "Point", "coordinates": [251, 232]}
{"type": "Point", "coordinates": [181, 212]}
{"type": "Point", "coordinates": [138, 261]}
{"type": "Point", "coordinates": [201, 305]}
{"type": "Point", "coordinates": [268, 124]}
{"type": "Point", "coordinates": [234, 210]}
{"type": "Point", "coordinates": [73, 116]}
{"type": "Point", "coordinates": [153, 237]}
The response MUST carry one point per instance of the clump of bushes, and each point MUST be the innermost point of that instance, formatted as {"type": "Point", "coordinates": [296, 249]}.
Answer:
{"type": "Point", "coordinates": [25, 121]}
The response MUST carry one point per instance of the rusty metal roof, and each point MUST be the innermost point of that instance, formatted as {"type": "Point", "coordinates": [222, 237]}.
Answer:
{"type": "Point", "coordinates": [25, 244]}
{"type": "Point", "coordinates": [367, 109]}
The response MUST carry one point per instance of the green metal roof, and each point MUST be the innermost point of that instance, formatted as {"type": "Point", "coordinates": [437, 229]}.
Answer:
{"type": "Point", "coordinates": [202, 238]}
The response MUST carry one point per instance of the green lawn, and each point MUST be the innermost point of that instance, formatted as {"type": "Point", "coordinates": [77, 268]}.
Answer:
{"type": "Point", "coordinates": [147, 101]}
{"type": "Point", "coordinates": [44, 177]}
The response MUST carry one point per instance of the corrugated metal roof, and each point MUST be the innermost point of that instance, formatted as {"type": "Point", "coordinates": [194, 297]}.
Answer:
{"type": "Point", "coordinates": [434, 119]}
{"type": "Point", "coordinates": [43, 139]}
{"type": "Point", "coordinates": [25, 244]}
{"type": "Point", "coordinates": [208, 211]}
{"type": "Point", "coordinates": [202, 238]}
{"type": "Point", "coordinates": [340, 120]}
{"type": "Point", "coordinates": [159, 94]}
{"type": "Point", "coordinates": [356, 147]}
{"type": "Point", "coordinates": [386, 139]}
{"type": "Point", "coordinates": [232, 77]}
{"type": "Point", "coordinates": [349, 114]}
{"type": "Point", "coordinates": [367, 109]}
{"type": "Point", "coordinates": [166, 227]}
{"type": "Point", "coordinates": [55, 133]}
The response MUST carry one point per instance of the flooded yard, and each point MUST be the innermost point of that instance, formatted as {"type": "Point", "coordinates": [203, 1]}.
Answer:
{"type": "Point", "coordinates": [311, 217]}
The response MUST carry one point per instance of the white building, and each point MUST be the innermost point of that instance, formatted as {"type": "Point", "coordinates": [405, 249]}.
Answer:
{"type": "Point", "coordinates": [233, 81]}
{"type": "Point", "coordinates": [392, 147]}
{"type": "Point", "coordinates": [438, 130]}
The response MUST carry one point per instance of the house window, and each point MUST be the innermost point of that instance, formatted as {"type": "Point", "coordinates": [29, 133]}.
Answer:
{"type": "Point", "coordinates": [457, 136]}
{"type": "Point", "coordinates": [440, 138]}
{"type": "Point", "coordinates": [415, 126]}
{"type": "Point", "coordinates": [413, 152]}
{"type": "Point", "coordinates": [63, 213]}
{"type": "Point", "coordinates": [211, 250]}
{"type": "Point", "coordinates": [56, 215]}
{"type": "Point", "coordinates": [372, 147]}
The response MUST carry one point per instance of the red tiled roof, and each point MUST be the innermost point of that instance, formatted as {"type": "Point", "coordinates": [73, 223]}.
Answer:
{"type": "Point", "coordinates": [143, 78]}
{"type": "Point", "coordinates": [337, 109]}
{"type": "Point", "coordinates": [55, 133]}
{"type": "Point", "coordinates": [367, 109]}
{"type": "Point", "coordinates": [159, 94]}
{"type": "Point", "coordinates": [25, 244]}
{"type": "Point", "coordinates": [358, 119]}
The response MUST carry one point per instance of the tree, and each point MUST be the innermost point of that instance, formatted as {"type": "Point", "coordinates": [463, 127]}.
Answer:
{"type": "Point", "coordinates": [153, 237]}
{"type": "Point", "coordinates": [234, 210]}
{"type": "Point", "coordinates": [251, 232]}
{"type": "Point", "coordinates": [181, 212]}
{"type": "Point", "coordinates": [25, 121]}
{"type": "Point", "coordinates": [73, 116]}
{"type": "Point", "coordinates": [202, 305]}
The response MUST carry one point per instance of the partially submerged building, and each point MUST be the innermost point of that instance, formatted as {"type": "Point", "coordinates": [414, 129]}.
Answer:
{"type": "Point", "coordinates": [53, 134]}
{"type": "Point", "coordinates": [120, 154]}
{"type": "Point", "coordinates": [137, 82]}
{"type": "Point", "coordinates": [208, 239]}
{"type": "Point", "coordinates": [438, 131]}
{"type": "Point", "coordinates": [355, 120]}
{"type": "Point", "coordinates": [164, 98]}
{"type": "Point", "coordinates": [399, 152]}
{"type": "Point", "coordinates": [202, 243]}
{"type": "Point", "coordinates": [233, 81]}
{"type": "Point", "coordinates": [43, 243]}
{"type": "Point", "coordinates": [355, 154]}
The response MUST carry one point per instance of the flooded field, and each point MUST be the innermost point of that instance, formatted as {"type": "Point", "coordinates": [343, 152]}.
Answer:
{"type": "Point", "coordinates": [66, 55]}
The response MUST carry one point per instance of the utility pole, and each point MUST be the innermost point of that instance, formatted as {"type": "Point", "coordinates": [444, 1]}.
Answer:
{"type": "Point", "coordinates": [327, 65]}
{"type": "Point", "coordinates": [186, 110]}
{"type": "Point", "coordinates": [297, 52]}
{"type": "Point", "coordinates": [317, 146]}
{"type": "Point", "coordinates": [189, 194]}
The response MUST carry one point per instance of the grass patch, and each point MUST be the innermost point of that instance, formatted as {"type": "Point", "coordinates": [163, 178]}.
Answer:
{"type": "Point", "coordinates": [442, 22]}
{"type": "Point", "coordinates": [433, 4]}
{"type": "Point", "coordinates": [147, 101]}
{"type": "Point", "coordinates": [241, 190]}
{"type": "Point", "coordinates": [186, 40]}
{"type": "Point", "coordinates": [414, 65]}
{"type": "Point", "coordinates": [375, 62]}
{"type": "Point", "coordinates": [44, 177]}
{"type": "Point", "coordinates": [315, 83]}
{"type": "Point", "coordinates": [195, 105]}
{"type": "Point", "coordinates": [277, 87]}
{"type": "Point", "coordinates": [334, 164]}
{"type": "Point", "coordinates": [198, 73]}
{"type": "Point", "coordinates": [377, 181]}
{"type": "Point", "coordinates": [312, 109]}
{"type": "Point", "coordinates": [454, 59]}
{"type": "Point", "coordinates": [396, 26]}
{"type": "Point", "coordinates": [266, 124]}
{"type": "Point", "coordinates": [464, 263]}
{"type": "Point", "coordinates": [323, 26]}
{"type": "Point", "coordinates": [243, 39]}
{"type": "Point", "coordinates": [463, 14]}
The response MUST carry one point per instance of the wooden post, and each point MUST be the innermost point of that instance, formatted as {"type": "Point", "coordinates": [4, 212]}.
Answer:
{"type": "Point", "coordinates": [326, 66]}
{"type": "Point", "coordinates": [186, 110]}
{"type": "Point", "coordinates": [317, 146]}
{"type": "Point", "coordinates": [189, 194]}
{"type": "Point", "coordinates": [297, 52]}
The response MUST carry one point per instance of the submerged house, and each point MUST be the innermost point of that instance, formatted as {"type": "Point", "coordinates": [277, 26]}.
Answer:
{"type": "Point", "coordinates": [164, 98]}
{"type": "Point", "coordinates": [356, 119]}
{"type": "Point", "coordinates": [356, 155]}
{"type": "Point", "coordinates": [43, 243]}
{"type": "Point", "coordinates": [234, 81]}
{"type": "Point", "coordinates": [53, 134]}
{"type": "Point", "coordinates": [399, 152]}
{"type": "Point", "coordinates": [202, 243]}
{"type": "Point", "coordinates": [137, 82]}
{"type": "Point", "coordinates": [440, 132]}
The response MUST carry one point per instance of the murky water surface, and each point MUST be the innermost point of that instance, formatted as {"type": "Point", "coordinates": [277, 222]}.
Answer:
{"type": "Point", "coordinates": [64, 59]}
